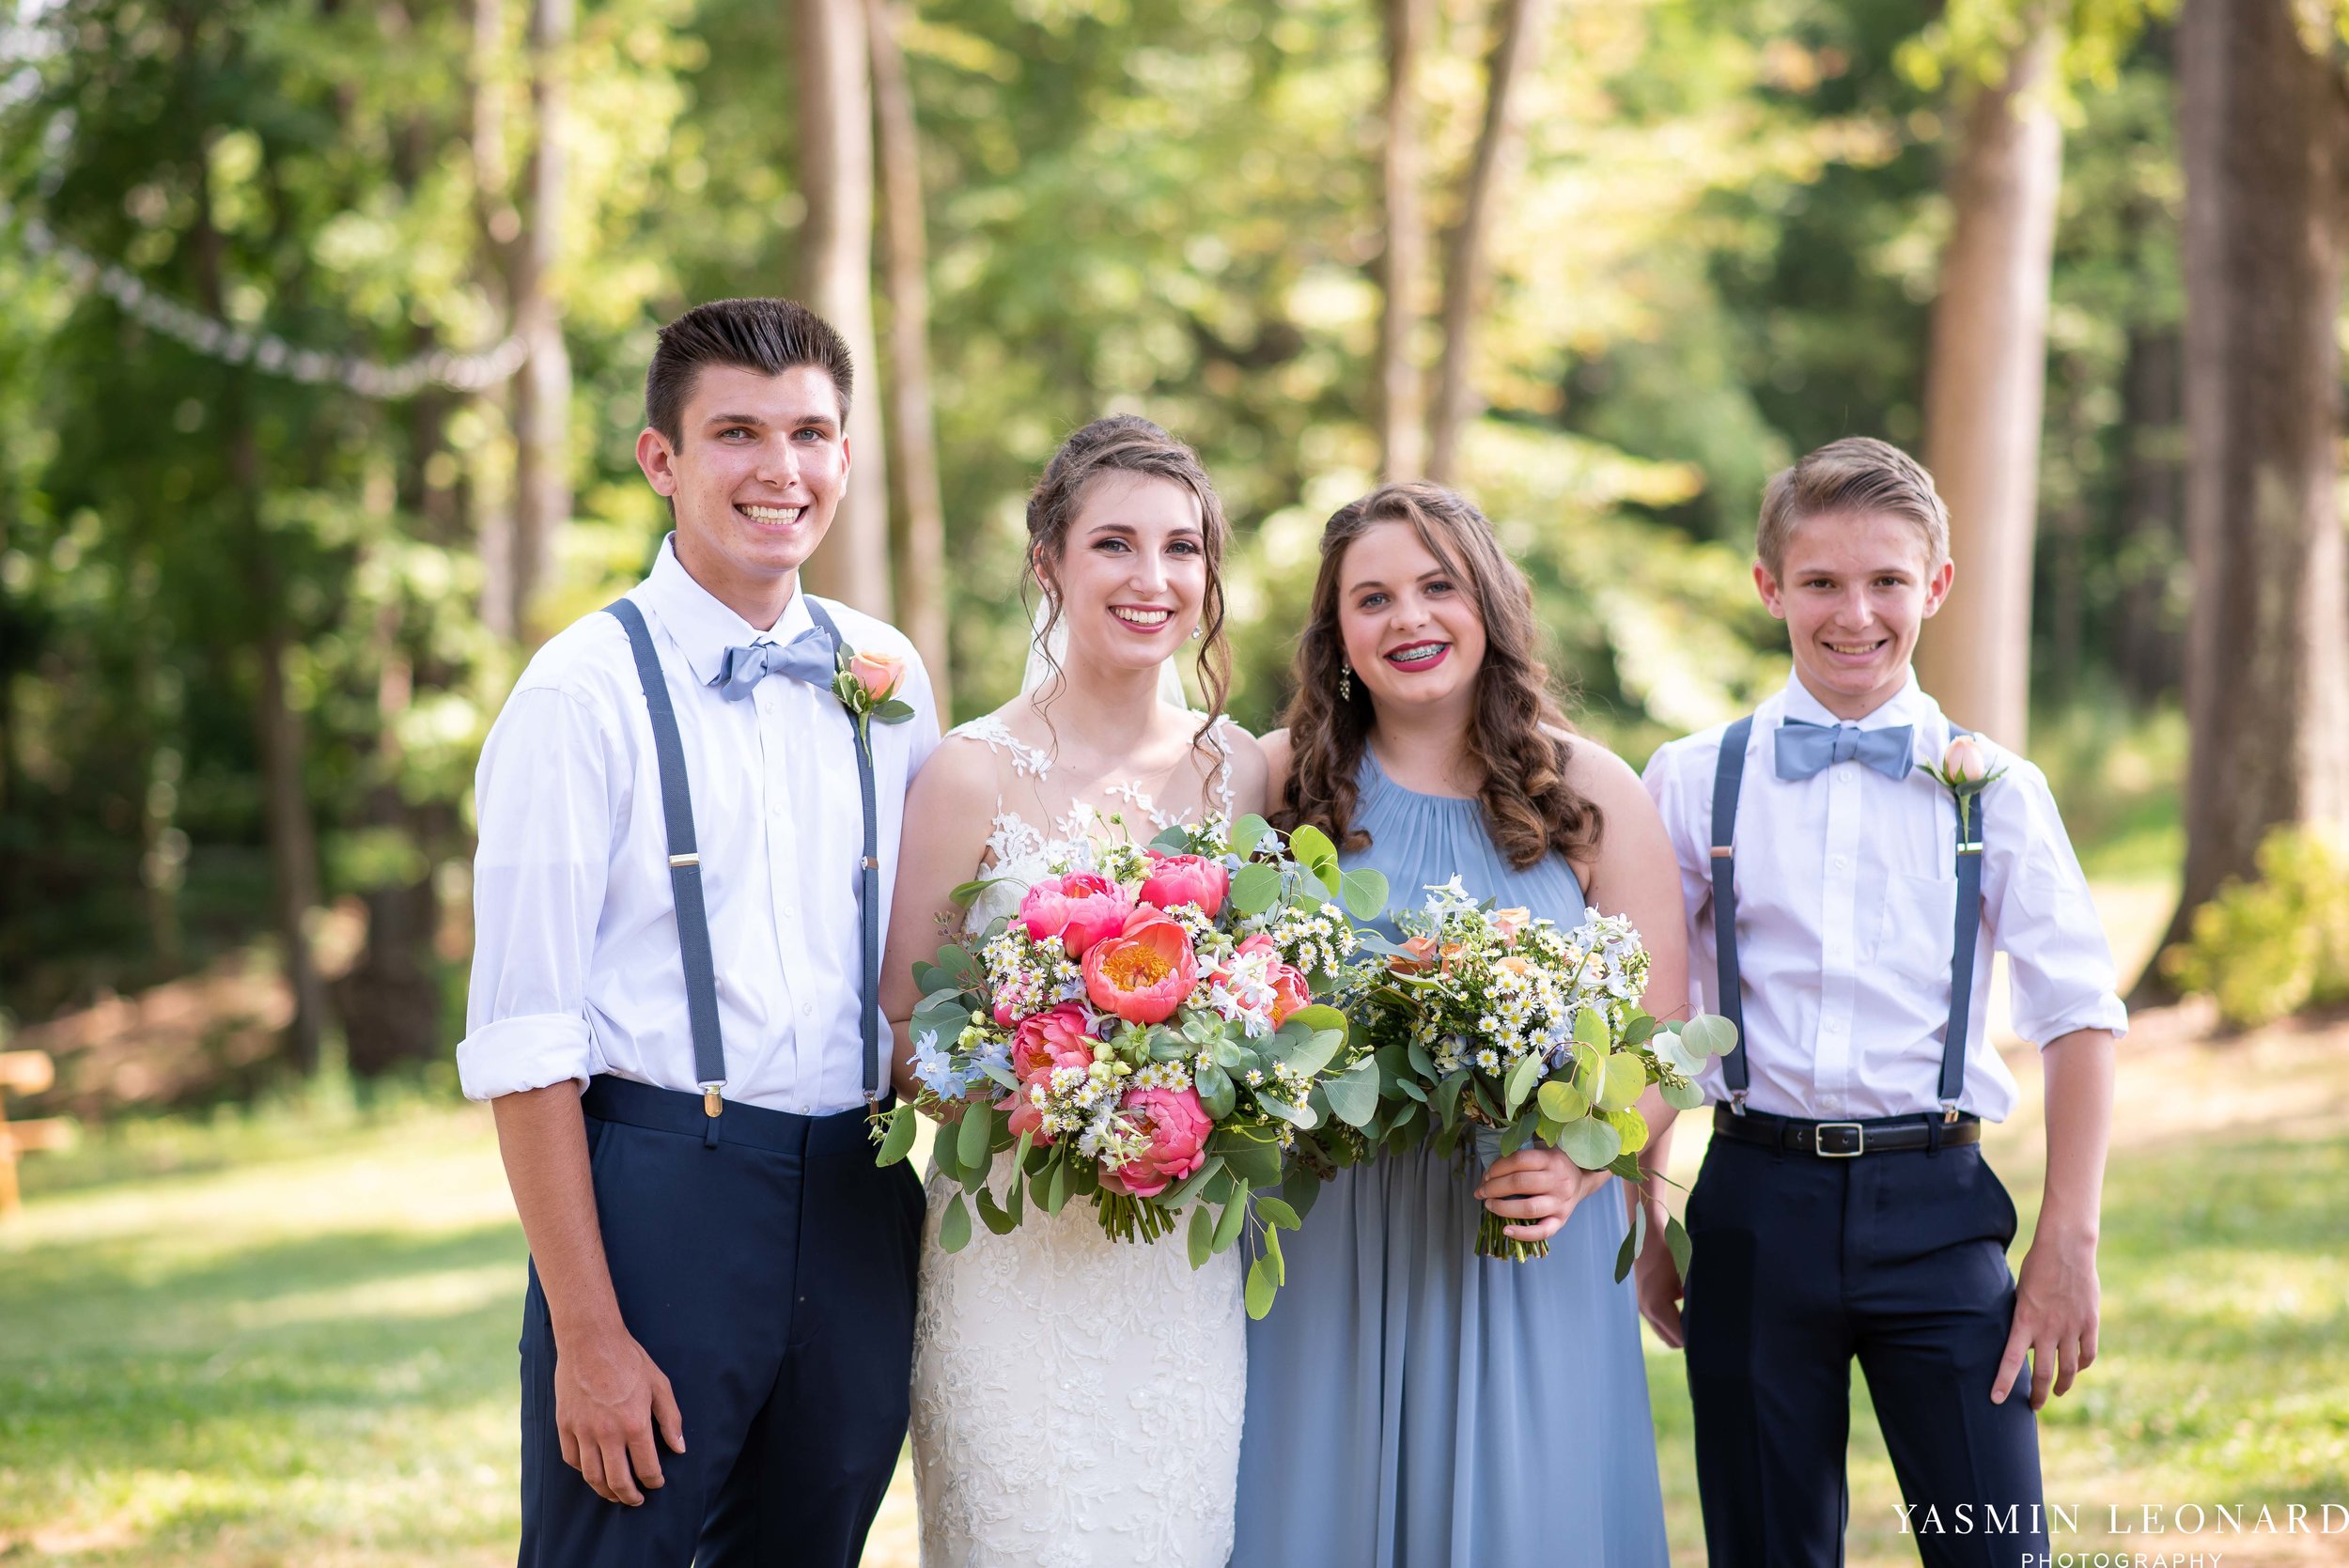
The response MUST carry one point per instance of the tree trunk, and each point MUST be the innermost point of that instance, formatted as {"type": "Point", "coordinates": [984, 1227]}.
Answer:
{"type": "Point", "coordinates": [1468, 268]}
{"type": "Point", "coordinates": [2261, 130]}
{"type": "Point", "coordinates": [1402, 265]}
{"type": "Point", "coordinates": [500, 225]}
{"type": "Point", "coordinates": [542, 389]}
{"type": "Point", "coordinates": [389, 1002]}
{"type": "Point", "coordinates": [277, 726]}
{"type": "Point", "coordinates": [1984, 387]}
{"type": "Point", "coordinates": [836, 126]}
{"type": "Point", "coordinates": [920, 513]}
{"type": "Point", "coordinates": [2145, 648]}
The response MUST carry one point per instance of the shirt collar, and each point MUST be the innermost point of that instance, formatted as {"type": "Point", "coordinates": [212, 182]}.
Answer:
{"type": "Point", "coordinates": [701, 624]}
{"type": "Point", "coordinates": [1908, 705]}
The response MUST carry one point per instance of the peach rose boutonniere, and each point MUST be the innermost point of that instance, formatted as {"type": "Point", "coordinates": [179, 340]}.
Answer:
{"type": "Point", "coordinates": [866, 684]}
{"type": "Point", "coordinates": [1965, 770]}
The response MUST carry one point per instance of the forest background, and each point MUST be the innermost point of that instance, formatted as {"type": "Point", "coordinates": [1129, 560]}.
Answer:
{"type": "Point", "coordinates": [322, 329]}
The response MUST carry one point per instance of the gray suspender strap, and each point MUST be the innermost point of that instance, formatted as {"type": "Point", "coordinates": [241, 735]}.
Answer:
{"type": "Point", "coordinates": [1969, 817]}
{"type": "Point", "coordinates": [868, 882]}
{"type": "Point", "coordinates": [1728, 774]}
{"type": "Point", "coordinates": [685, 870]}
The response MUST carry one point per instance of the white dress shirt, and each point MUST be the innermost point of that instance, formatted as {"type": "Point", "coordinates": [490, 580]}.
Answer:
{"type": "Point", "coordinates": [576, 966]}
{"type": "Point", "coordinates": [1847, 914]}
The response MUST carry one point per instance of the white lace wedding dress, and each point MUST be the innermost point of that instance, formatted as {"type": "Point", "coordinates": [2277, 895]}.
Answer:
{"type": "Point", "coordinates": [1076, 1401]}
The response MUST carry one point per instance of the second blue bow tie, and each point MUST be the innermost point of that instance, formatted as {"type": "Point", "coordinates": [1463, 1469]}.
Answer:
{"type": "Point", "coordinates": [807, 657]}
{"type": "Point", "coordinates": [1805, 747]}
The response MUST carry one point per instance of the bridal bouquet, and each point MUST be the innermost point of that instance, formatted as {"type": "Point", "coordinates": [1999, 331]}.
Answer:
{"type": "Point", "coordinates": [1488, 1019]}
{"type": "Point", "coordinates": [1148, 1033]}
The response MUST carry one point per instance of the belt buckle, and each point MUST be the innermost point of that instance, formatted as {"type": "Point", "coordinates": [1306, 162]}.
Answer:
{"type": "Point", "coordinates": [1858, 1140]}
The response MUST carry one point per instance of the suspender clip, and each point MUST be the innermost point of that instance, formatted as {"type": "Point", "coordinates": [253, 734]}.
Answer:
{"type": "Point", "coordinates": [685, 860]}
{"type": "Point", "coordinates": [713, 1103]}
{"type": "Point", "coordinates": [1737, 1102]}
{"type": "Point", "coordinates": [872, 863]}
{"type": "Point", "coordinates": [1970, 848]}
{"type": "Point", "coordinates": [1949, 1113]}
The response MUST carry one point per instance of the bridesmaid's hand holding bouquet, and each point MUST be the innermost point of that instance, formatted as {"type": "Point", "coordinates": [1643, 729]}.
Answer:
{"type": "Point", "coordinates": [1491, 1020]}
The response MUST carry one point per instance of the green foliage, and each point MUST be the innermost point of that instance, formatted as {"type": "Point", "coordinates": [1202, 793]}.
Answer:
{"type": "Point", "coordinates": [2278, 944]}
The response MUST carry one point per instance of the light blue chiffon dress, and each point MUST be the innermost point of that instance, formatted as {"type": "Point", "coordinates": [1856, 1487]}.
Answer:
{"type": "Point", "coordinates": [1411, 1405]}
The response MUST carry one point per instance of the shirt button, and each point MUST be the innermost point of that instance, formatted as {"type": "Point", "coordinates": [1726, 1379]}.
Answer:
{"type": "Point", "coordinates": [807, 1009]}
{"type": "Point", "coordinates": [1840, 862]}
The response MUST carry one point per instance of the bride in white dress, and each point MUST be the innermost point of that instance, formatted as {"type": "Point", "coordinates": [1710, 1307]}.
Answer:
{"type": "Point", "coordinates": [1077, 1401]}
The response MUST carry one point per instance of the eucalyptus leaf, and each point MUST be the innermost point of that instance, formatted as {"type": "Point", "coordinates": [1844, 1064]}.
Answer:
{"type": "Point", "coordinates": [975, 1138]}
{"type": "Point", "coordinates": [991, 1214]}
{"type": "Point", "coordinates": [898, 1141]}
{"type": "Point", "coordinates": [1272, 1211]}
{"type": "Point", "coordinates": [1301, 1188]}
{"type": "Point", "coordinates": [1638, 1030]}
{"type": "Point", "coordinates": [1298, 1116]}
{"type": "Point", "coordinates": [1229, 1224]}
{"type": "Point", "coordinates": [953, 1226]}
{"type": "Point", "coordinates": [1411, 1087]}
{"type": "Point", "coordinates": [1633, 1239]}
{"type": "Point", "coordinates": [1311, 848]}
{"type": "Point", "coordinates": [1624, 1078]}
{"type": "Point", "coordinates": [1174, 841]}
{"type": "Point", "coordinates": [1676, 1238]}
{"type": "Point", "coordinates": [1261, 1290]}
{"type": "Point", "coordinates": [1202, 1236]}
{"type": "Point", "coordinates": [1520, 1081]}
{"type": "Point", "coordinates": [1255, 888]}
{"type": "Point", "coordinates": [1246, 833]}
{"type": "Point", "coordinates": [1710, 1034]}
{"type": "Point", "coordinates": [1251, 1154]}
{"type": "Point", "coordinates": [1514, 1137]}
{"type": "Point", "coordinates": [965, 894]}
{"type": "Point", "coordinates": [1562, 1102]}
{"type": "Point", "coordinates": [1354, 1094]}
{"type": "Point", "coordinates": [1217, 1095]}
{"type": "Point", "coordinates": [1272, 1250]}
{"type": "Point", "coordinates": [1447, 1101]}
{"type": "Point", "coordinates": [1421, 1062]}
{"type": "Point", "coordinates": [1318, 1017]}
{"type": "Point", "coordinates": [1631, 1126]}
{"type": "Point", "coordinates": [1682, 1096]}
{"type": "Point", "coordinates": [1363, 891]}
{"type": "Point", "coordinates": [1056, 1192]}
{"type": "Point", "coordinates": [1183, 1193]}
{"type": "Point", "coordinates": [1590, 1028]}
{"type": "Point", "coordinates": [1307, 1050]}
{"type": "Point", "coordinates": [1590, 1144]}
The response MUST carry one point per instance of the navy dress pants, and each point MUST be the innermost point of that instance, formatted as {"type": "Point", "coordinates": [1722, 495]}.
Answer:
{"type": "Point", "coordinates": [771, 1276]}
{"type": "Point", "coordinates": [1800, 1263]}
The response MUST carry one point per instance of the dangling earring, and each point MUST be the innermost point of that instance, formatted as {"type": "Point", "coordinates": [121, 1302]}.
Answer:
{"type": "Point", "coordinates": [1345, 683]}
{"type": "Point", "coordinates": [1197, 632]}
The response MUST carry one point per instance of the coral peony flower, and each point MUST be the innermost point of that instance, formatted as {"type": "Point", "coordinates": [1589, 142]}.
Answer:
{"type": "Point", "coordinates": [1964, 762]}
{"type": "Point", "coordinates": [1178, 1126]}
{"type": "Point", "coordinates": [1056, 1037]}
{"type": "Point", "coordinates": [879, 673]}
{"type": "Point", "coordinates": [1187, 879]}
{"type": "Point", "coordinates": [1079, 908]}
{"type": "Point", "coordinates": [1144, 972]}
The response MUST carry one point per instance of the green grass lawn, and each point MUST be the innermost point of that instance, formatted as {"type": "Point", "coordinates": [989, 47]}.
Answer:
{"type": "Point", "coordinates": [291, 1342]}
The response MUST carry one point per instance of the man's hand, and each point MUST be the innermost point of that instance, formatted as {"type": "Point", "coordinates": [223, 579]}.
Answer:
{"type": "Point", "coordinates": [609, 1399]}
{"type": "Point", "coordinates": [1657, 1279]}
{"type": "Point", "coordinates": [1538, 1188]}
{"type": "Point", "coordinates": [2055, 1319]}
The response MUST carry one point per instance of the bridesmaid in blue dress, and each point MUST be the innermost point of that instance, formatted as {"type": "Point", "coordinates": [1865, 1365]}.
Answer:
{"type": "Point", "coordinates": [1409, 1404]}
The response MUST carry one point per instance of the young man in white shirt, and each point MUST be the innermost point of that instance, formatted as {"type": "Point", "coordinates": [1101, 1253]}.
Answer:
{"type": "Point", "coordinates": [683, 866]}
{"type": "Point", "coordinates": [1845, 914]}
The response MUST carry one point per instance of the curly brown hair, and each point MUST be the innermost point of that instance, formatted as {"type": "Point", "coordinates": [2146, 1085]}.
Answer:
{"type": "Point", "coordinates": [1128, 444]}
{"type": "Point", "coordinates": [1519, 740]}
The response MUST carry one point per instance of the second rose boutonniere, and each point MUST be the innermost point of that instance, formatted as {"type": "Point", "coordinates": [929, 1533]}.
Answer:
{"type": "Point", "coordinates": [866, 684]}
{"type": "Point", "coordinates": [1964, 769]}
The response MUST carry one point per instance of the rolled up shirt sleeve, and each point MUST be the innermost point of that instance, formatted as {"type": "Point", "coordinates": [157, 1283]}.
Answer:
{"type": "Point", "coordinates": [2060, 963]}
{"type": "Point", "coordinates": [547, 799]}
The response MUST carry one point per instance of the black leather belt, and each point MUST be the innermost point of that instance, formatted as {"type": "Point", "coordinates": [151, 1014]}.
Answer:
{"type": "Point", "coordinates": [1884, 1135]}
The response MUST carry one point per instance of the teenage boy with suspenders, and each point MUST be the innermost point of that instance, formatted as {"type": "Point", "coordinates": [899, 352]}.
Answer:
{"type": "Point", "coordinates": [1848, 902]}
{"type": "Point", "coordinates": [684, 837]}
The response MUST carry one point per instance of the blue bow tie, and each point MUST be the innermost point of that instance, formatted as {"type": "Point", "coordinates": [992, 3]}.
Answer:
{"type": "Point", "coordinates": [1805, 747]}
{"type": "Point", "coordinates": [807, 657]}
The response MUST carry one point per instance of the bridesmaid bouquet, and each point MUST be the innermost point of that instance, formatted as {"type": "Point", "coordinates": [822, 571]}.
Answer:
{"type": "Point", "coordinates": [1489, 1020]}
{"type": "Point", "coordinates": [1147, 1032]}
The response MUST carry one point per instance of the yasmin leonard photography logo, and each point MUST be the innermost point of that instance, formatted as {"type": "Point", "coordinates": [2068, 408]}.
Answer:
{"type": "Point", "coordinates": [2159, 1527]}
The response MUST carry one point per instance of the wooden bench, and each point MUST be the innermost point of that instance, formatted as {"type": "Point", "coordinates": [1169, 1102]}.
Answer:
{"type": "Point", "coordinates": [25, 1072]}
